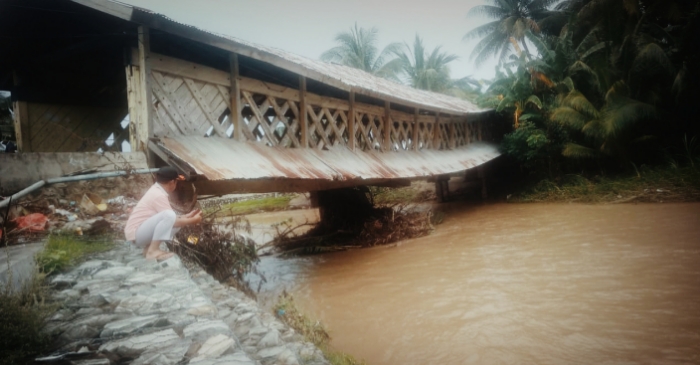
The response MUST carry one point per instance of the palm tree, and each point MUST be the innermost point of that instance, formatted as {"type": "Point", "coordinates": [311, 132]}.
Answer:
{"type": "Point", "coordinates": [357, 48]}
{"type": "Point", "coordinates": [426, 70]}
{"type": "Point", "coordinates": [608, 130]}
{"type": "Point", "coordinates": [513, 18]}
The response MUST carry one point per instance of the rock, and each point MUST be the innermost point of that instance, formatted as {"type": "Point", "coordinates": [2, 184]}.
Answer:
{"type": "Point", "coordinates": [271, 339]}
{"type": "Point", "coordinates": [127, 326]}
{"type": "Point", "coordinates": [199, 331]}
{"type": "Point", "coordinates": [91, 362]}
{"type": "Point", "coordinates": [143, 279]}
{"type": "Point", "coordinates": [239, 358]}
{"type": "Point", "coordinates": [287, 357]}
{"type": "Point", "coordinates": [68, 294]}
{"type": "Point", "coordinates": [270, 352]}
{"type": "Point", "coordinates": [214, 347]}
{"type": "Point", "coordinates": [136, 345]}
{"type": "Point", "coordinates": [88, 311]}
{"type": "Point", "coordinates": [99, 321]}
{"type": "Point", "coordinates": [169, 355]}
{"type": "Point", "coordinates": [204, 310]}
{"type": "Point", "coordinates": [115, 272]}
{"type": "Point", "coordinates": [62, 281]}
{"type": "Point", "coordinates": [143, 305]}
{"type": "Point", "coordinates": [62, 315]}
{"type": "Point", "coordinates": [77, 332]}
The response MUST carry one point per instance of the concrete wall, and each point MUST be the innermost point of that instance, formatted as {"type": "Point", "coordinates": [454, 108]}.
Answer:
{"type": "Point", "coordinates": [19, 170]}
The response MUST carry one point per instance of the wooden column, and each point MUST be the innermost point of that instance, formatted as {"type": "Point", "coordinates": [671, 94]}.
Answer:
{"type": "Point", "coordinates": [351, 121]}
{"type": "Point", "coordinates": [479, 126]}
{"type": "Point", "coordinates": [22, 132]}
{"type": "Point", "coordinates": [437, 137]}
{"type": "Point", "coordinates": [235, 96]}
{"type": "Point", "coordinates": [453, 135]}
{"type": "Point", "coordinates": [303, 124]}
{"type": "Point", "coordinates": [144, 126]}
{"type": "Point", "coordinates": [414, 137]}
{"type": "Point", "coordinates": [387, 126]}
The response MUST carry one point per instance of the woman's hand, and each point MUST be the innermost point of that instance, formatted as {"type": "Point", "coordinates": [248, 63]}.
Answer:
{"type": "Point", "coordinates": [193, 213]}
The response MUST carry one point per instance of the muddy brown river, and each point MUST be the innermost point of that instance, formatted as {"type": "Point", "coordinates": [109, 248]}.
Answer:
{"type": "Point", "coordinates": [514, 284]}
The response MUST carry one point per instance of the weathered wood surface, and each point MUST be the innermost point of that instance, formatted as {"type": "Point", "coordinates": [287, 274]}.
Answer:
{"type": "Point", "coordinates": [69, 128]}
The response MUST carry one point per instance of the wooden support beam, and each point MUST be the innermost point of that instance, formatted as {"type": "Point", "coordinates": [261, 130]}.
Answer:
{"type": "Point", "coordinates": [144, 127]}
{"type": "Point", "coordinates": [437, 136]}
{"type": "Point", "coordinates": [388, 124]}
{"type": "Point", "coordinates": [453, 135]}
{"type": "Point", "coordinates": [303, 124]}
{"type": "Point", "coordinates": [235, 103]}
{"type": "Point", "coordinates": [414, 137]}
{"type": "Point", "coordinates": [479, 123]}
{"type": "Point", "coordinates": [22, 125]}
{"type": "Point", "coordinates": [351, 122]}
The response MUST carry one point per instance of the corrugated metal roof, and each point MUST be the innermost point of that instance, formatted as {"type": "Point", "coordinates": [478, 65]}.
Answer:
{"type": "Point", "coordinates": [224, 159]}
{"type": "Point", "coordinates": [353, 79]}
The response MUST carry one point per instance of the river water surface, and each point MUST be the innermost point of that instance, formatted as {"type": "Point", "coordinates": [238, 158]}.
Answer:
{"type": "Point", "coordinates": [513, 284]}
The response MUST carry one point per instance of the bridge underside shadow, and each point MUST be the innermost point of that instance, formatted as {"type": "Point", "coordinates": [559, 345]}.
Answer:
{"type": "Point", "coordinates": [219, 166]}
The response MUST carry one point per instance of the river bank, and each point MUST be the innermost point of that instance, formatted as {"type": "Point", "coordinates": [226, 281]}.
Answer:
{"type": "Point", "coordinates": [118, 307]}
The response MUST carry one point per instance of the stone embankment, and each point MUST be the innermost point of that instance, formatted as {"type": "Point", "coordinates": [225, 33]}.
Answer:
{"type": "Point", "coordinates": [120, 308]}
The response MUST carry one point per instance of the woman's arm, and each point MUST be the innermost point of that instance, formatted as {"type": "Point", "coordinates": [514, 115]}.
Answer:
{"type": "Point", "coordinates": [193, 217]}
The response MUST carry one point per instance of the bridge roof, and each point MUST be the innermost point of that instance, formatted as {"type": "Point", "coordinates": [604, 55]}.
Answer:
{"type": "Point", "coordinates": [217, 158]}
{"type": "Point", "coordinates": [339, 76]}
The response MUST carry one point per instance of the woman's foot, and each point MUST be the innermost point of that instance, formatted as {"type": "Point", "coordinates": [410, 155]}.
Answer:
{"type": "Point", "coordinates": [159, 255]}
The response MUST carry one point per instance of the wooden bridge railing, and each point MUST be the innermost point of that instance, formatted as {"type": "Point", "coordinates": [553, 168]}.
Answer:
{"type": "Point", "coordinates": [191, 99]}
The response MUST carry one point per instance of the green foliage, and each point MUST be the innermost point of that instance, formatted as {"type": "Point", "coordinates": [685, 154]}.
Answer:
{"type": "Point", "coordinates": [529, 145]}
{"type": "Point", "coordinates": [513, 19]}
{"type": "Point", "coordinates": [647, 184]}
{"type": "Point", "coordinates": [426, 70]}
{"type": "Point", "coordinates": [63, 251]}
{"type": "Point", "coordinates": [357, 48]}
{"type": "Point", "coordinates": [23, 313]}
{"type": "Point", "coordinates": [267, 204]}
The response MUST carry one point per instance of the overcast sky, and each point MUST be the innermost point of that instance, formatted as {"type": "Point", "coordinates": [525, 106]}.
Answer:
{"type": "Point", "coordinates": [307, 27]}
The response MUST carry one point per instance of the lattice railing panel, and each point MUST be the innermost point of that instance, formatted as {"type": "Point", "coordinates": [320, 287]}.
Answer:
{"type": "Point", "coordinates": [368, 134]}
{"type": "Point", "coordinates": [460, 130]}
{"type": "Point", "coordinates": [272, 121]}
{"type": "Point", "coordinates": [327, 127]}
{"type": "Point", "coordinates": [402, 134]}
{"type": "Point", "coordinates": [426, 135]}
{"type": "Point", "coordinates": [444, 136]}
{"type": "Point", "coordinates": [184, 106]}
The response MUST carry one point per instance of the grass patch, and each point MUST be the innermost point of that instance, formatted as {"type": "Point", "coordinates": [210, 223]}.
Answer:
{"type": "Point", "coordinates": [267, 204]}
{"type": "Point", "coordinates": [63, 251]}
{"type": "Point", "coordinates": [23, 313]}
{"type": "Point", "coordinates": [666, 184]}
{"type": "Point", "coordinates": [313, 331]}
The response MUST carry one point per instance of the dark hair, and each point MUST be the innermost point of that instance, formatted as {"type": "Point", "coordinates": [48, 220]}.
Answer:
{"type": "Point", "coordinates": [166, 174]}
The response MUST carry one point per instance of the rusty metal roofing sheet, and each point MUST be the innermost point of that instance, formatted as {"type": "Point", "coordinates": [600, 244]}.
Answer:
{"type": "Point", "coordinates": [353, 79]}
{"type": "Point", "coordinates": [224, 159]}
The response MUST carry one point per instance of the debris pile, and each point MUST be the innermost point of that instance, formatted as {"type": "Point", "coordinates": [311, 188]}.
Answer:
{"type": "Point", "coordinates": [84, 207]}
{"type": "Point", "coordinates": [219, 248]}
{"type": "Point", "coordinates": [349, 218]}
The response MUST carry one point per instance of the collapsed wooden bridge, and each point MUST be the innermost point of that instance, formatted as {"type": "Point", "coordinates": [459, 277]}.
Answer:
{"type": "Point", "coordinates": [238, 117]}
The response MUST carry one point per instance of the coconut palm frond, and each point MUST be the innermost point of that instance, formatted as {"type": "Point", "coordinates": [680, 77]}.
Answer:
{"type": "Point", "coordinates": [580, 103]}
{"type": "Point", "coordinates": [569, 117]}
{"type": "Point", "coordinates": [533, 99]}
{"type": "Point", "coordinates": [577, 151]}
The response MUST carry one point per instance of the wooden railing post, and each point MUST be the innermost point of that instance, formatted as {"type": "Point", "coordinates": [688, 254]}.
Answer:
{"type": "Point", "coordinates": [387, 126]}
{"type": "Point", "coordinates": [351, 121]}
{"type": "Point", "coordinates": [303, 124]}
{"type": "Point", "coordinates": [235, 96]}
{"type": "Point", "coordinates": [144, 127]}
{"type": "Point", "coordinates": [414, 137]}
{"type": "Point", "coordinates": [437, 136]}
